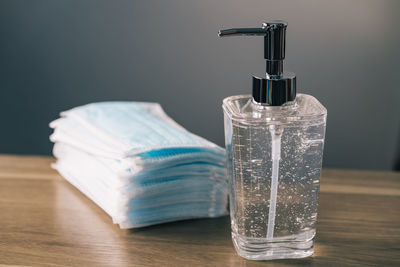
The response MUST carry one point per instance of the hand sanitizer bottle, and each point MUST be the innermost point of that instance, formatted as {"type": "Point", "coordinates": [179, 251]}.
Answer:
{"type": "Point", "coordinates": [274, 141]}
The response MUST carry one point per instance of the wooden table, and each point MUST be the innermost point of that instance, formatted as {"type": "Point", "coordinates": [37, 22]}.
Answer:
{"type": "Point", "coordinates": [47, 222]}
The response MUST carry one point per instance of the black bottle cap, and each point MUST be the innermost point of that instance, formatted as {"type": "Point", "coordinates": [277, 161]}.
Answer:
{"type": "Point", "coordinates": [277, 87]}
{"type": "Point", "coordinates": [274, 92]}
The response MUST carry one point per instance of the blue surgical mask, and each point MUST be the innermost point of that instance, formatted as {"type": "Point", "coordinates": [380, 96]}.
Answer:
{"type": "Point", "coordinates": [139, 165]}
{"type": "Point", "coordinates": [127, 204]}
{"type": "Point", "coordinates": [128, 128]}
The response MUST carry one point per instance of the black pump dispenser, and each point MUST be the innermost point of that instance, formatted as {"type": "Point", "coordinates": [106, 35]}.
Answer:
{"type": "Point", "coordinates": [277, 87]}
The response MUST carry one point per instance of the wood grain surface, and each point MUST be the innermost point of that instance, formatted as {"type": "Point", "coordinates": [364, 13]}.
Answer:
{"type": "Point", "coordinates": [44, 221]}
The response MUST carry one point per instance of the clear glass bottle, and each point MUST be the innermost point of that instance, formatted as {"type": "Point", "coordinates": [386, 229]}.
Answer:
{"type": "Point", "coordinates": [274, 164]}
{"type": "Point", "coordinates": [274, 142]}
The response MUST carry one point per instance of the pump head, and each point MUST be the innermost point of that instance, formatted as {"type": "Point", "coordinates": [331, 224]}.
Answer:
{"type": "Point", "coordinates": [277, 87]}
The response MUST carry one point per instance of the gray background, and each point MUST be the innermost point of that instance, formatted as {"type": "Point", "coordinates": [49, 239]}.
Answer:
{"type": "Point", "coordinates": [55, 55]}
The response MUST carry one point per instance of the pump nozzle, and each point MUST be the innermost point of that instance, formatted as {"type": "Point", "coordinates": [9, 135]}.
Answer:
{"type": "Point", "coordinates": [243, 31]}
{"type": "Point", "coordinates": [274, 33]}
{"type": "Point", "coordinates": [278, 87]}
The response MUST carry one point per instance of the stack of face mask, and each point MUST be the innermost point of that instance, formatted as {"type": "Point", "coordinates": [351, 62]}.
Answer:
{"type": "Point", "coordinates": [138, 165]}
